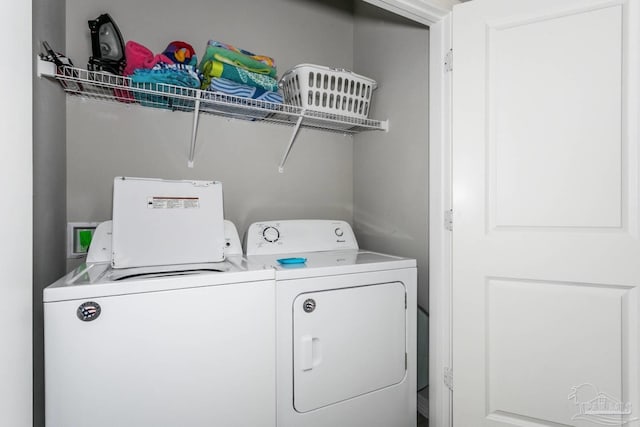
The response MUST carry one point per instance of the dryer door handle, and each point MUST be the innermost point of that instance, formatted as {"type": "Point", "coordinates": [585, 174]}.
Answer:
{"type": "Point", "coordinates": [310, 355]}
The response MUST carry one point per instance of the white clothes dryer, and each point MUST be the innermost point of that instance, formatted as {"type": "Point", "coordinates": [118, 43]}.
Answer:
{"type": "Point", "coordinates": [345, 326]}
{"type": "Point", "coordinates": [174, 345]}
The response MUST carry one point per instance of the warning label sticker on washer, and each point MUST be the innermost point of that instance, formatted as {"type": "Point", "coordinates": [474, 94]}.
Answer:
{"type": "Point", "coordinates": [173, 202]}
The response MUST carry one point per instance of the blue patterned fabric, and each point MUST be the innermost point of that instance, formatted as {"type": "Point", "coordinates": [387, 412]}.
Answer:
{"type": "Point", "coordinates": [229, 87]}
{"type": "Point", "coordinates": [157, 79]}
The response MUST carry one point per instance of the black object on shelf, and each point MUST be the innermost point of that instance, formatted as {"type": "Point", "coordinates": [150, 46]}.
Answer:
{"type": "Point", "coordinates": [107, 46]}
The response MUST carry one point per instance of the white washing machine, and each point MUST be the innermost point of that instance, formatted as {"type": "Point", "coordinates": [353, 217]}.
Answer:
{"type": "Point", "coordinates": [345, 326]}
{"type": "Point", "coordinates": [182, 345]}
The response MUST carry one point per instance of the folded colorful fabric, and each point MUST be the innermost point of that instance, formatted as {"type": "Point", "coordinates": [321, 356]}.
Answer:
{"type": "Point", "coordinates": [262, 58]}
{"type": "Point", "coordinates": [236, 59]}
{"type": "Point", "coordinates": [229, 87]}
{"type": "Point", "coordinates": [247, 95]}
{"type": "Point", "coordinates": [181, 53]}
{"type": "Point", "coordinates": [167, 74]}
{"type": "Point", "coordinates": [138, 56]}
{"type": "Point", "coordinates": [213, 68]}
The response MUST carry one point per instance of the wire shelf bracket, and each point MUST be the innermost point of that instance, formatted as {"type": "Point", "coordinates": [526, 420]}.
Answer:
{"type": "Point", "coordinates": [194, 131]}
{"type": "Point", "coordinates": [294, 135]}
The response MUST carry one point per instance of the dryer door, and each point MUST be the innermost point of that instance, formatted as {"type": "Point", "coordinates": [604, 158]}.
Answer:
{"type": "Point", "coordinates": [347, 342]}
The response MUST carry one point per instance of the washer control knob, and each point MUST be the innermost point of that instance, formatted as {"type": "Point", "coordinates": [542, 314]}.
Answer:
{"type": "Point", "coordinates": [271, 234]}
{"type": "Point", "coordinates": [339, 232]}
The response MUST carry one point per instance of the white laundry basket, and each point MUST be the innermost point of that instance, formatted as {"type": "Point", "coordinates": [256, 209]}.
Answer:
{"type": "Point", "coordinates": [329, 90]}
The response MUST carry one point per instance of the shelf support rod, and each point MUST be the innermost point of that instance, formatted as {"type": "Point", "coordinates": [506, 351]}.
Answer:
{"type": "Point", "coordinates": [194, 129]}
{"type": "Point", "coordinates": [291, 141]}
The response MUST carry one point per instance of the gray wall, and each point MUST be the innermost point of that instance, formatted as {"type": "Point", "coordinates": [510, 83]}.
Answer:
{"type": "Point", "coordinates": [390, 170]}
{"type": "Point", "coordinates": [107, 139]}
{"type": "Point", "coordinates": [49, 183]}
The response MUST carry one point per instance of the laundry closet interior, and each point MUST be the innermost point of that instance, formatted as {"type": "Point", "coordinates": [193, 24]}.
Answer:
{"type": "Point", "coordinates": [375, 180]}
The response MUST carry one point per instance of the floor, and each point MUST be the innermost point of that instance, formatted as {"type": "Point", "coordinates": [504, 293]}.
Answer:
{"type": "Point", "coordinates": [422, 421]}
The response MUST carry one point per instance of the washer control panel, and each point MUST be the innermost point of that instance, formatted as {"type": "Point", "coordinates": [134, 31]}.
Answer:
{"type": "Point", "coordinates": [294, 236]}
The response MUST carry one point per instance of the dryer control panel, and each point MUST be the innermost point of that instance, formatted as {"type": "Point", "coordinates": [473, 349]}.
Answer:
{"type": "Point", "coordinates": [295, 236]}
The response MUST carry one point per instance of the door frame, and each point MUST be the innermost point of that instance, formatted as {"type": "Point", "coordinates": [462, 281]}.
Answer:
{"type": "Point", "coordinates": [16, 170]}
{"type": "Point", "coordinates": [440, 255]}
{"type": "Point", "coordinates": [436, 14]}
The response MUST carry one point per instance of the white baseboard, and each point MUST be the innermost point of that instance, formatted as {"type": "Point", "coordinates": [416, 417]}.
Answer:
{"type": "Point", "coordinates": [423, 404]}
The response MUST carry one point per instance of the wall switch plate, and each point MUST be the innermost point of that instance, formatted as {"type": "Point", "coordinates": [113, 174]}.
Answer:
{"type": "Point", "coordinates": [79, 236]}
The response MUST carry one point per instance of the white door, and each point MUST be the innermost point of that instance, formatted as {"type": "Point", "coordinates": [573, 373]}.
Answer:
{"type": "Point", "coordinates": [546, 250]}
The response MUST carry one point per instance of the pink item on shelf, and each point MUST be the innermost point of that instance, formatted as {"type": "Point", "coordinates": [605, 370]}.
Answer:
{"type": "Point", "coordinates": [139, 56]}
{"type": "Point", "coordinates": [124, 96]}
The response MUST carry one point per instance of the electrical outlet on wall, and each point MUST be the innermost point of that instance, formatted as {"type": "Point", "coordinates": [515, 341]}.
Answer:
{"type": "Point", "coordinates": [79, 235]}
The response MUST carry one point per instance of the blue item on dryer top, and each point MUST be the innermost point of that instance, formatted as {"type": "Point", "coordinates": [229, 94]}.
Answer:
{"type": "Point", "coordinates": [285, 261]}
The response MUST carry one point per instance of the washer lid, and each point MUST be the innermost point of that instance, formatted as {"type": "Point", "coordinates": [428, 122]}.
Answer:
{"type": "Point", "coordinates": [100, 279]}
{"type": "Point", "coordinates": [159, 222]}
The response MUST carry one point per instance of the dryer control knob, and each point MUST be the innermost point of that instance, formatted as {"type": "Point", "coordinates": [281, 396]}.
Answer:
{"type": "Point", "coordinates": [309, 305]}
{"type": "Point", "coordinates": [339, 232]}
{"type": "Point", "coordinates": [271, 234]}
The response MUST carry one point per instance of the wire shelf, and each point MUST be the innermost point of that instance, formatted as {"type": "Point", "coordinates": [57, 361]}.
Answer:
{"type": "Point", "coordinates": [109, 87]}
